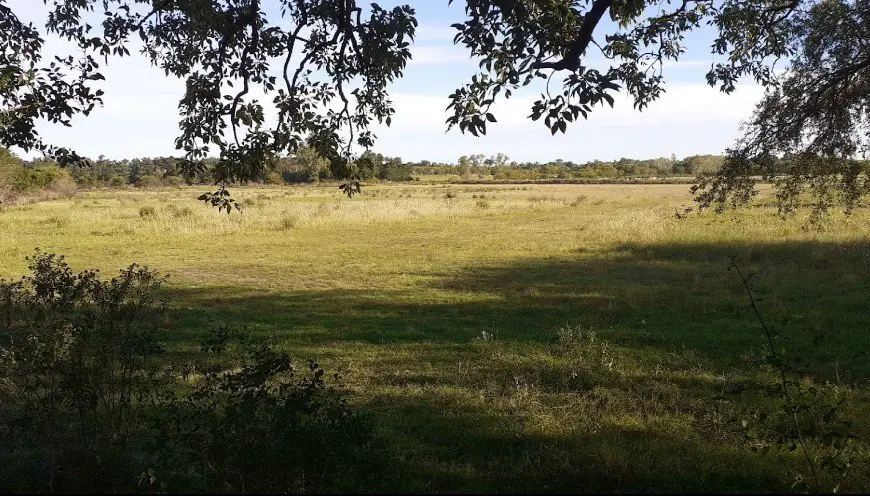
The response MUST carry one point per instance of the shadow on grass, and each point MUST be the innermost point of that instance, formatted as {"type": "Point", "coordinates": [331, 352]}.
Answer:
{"type": "Point", "coordinates": [525, 413]}
{"type": "Point", "coordinates": [668, 298]}
{"type": "Point", "coordinates": [440, 444]}
{"type": "Point", "coordinates": [520, 417]}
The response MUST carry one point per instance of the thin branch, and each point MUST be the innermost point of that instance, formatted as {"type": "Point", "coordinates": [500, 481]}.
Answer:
{"type": "Point", "coordinates": [777, 362]}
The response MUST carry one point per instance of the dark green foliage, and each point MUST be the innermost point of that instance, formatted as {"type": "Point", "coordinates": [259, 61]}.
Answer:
{"type": "Point", "coordinates": [814, 119]}
{"type": "Point", "coordinates": [265, 428]}
{"type": "Point", "coordinates": [804, 410]}
{"type": "Point", "coordinates": [325, 51]}
{"type": "Point", "coordinates": [140, 172]}
{"type": "Point", "coordinates": [476, 166]}
{"type": "Point", "coordinates": [520, 42]}
{"type": "Point", "coordinates": [73, 363]}
{"type": "Point", "coordinates": [305, 166]}
{"type": "Point", "coordinates": [221, 199]}
{"type": "Point", "coordinates": [815, 112]}
{"type": "Point", "coordinates": [84, 405]}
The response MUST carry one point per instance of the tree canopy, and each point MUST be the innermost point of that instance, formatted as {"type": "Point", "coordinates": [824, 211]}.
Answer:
{"type": "Point", "coordinates": [327, 71]}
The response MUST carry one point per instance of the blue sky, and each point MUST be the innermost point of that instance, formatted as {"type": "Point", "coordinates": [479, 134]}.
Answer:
{"type": "Point", "coordinates": [140, 116]}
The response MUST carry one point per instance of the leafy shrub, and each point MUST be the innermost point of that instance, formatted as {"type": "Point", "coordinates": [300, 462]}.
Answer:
{"type": "Point", "coordinates": [274, 178]}
{"type": "Point", "coordinates": [149, 181]}
{"type": "Point", "coordinates": [178, 213]}
{"type": "Point", "coordinates": [182, 212]}
{"type": "Point", "coordinates": [263, 428]}
{"type": "Point", "coordinates": [86, 405]}
{"type": "Point", "coordinates": [21, 183]}
{"type": "Point", "coordinates": [288, 222]}
{"type": "Point", "coordinates": [73, 350]}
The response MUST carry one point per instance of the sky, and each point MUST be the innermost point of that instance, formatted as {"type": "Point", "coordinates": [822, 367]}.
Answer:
{"type": "Point", "coordinates": [140, 116]}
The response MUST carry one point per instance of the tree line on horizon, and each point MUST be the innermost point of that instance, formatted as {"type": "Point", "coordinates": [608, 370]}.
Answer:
{"type": "Point", "coordinates": [307, 166]}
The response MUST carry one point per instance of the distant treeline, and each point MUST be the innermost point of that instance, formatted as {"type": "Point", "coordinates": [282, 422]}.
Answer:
{"type": "Point", "coordinates": [20, 181]}
{"type": "Point", "coordinates": [499, 168]}
{"type": "Point", "coordinates": [306, 166]}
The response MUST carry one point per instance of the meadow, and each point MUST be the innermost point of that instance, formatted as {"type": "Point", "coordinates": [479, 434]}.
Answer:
{"type": "Point", "coordinates": [514, 337]}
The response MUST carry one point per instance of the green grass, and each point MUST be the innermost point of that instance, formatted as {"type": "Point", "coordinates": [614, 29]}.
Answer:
{"type": "Point", "coordinates": [396, 288]}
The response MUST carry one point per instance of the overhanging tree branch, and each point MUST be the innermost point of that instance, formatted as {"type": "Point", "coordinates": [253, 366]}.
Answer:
{"type": "Point", "coordinates": [571, 60]}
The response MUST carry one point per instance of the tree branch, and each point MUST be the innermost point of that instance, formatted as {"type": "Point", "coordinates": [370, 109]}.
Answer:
{"type": "Point", "coordinates": [571, 60]}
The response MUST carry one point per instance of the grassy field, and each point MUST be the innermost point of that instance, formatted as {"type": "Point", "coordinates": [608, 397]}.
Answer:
{"type": "Point", "coordinates": [510, 338]}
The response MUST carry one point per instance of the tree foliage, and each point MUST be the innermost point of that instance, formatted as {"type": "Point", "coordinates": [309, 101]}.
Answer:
{"type": "Point", "coordinates": [815, 120]}
{"type": "Point", "coordinates": [325, 75]}
{"type": "Point", "coordinates": [814, 113]}
{"type": "Point", "coordinates": [87, 407]}
{"type": "Point", "coordinates": [325, 67]}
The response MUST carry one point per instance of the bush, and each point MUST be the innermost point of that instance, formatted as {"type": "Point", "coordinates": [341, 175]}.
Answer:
{"type": "Point", "coordinates": [72, 357]}
{"type": "Point", "coordinates": [87, 406]}
{"type": "Point", "coordinates": [21, 183]}
{"type": "Point", "coordinates": [148, 181]}
{"type": "Point", "coordinates": [288, 222]}
{"type": "Point", "coordinates": [173, 181]}
{"type": "Point", "coordinates": [579, 200]}
{"type": "Point", "coordinates": [265, 428]}
{"type": "Point", "coordinates": [274, 178]}
{"type": "Point", "coordinates": [182, 213]}
{"type": "Point", "coordinates": [179, 213]}
{"type": "Point", "coordinates": [147, 211]}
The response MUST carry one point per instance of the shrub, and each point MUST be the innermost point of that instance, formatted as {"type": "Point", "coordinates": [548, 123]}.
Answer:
{"type": "Point", "coordinates": [580, 199]}
{"type": "Point", "coordinates": [288, 222]}
{"type": "Point", "coordinates": [72, 352]}
{"type": "Point", "coordinates": [149, 181]}
{"type": "Point", "coordinates": [20, 182]}
{"type": "Point", "coordinates": [62, 187]}
{"type": "Point", "coordinates": [182, 212]}
{"type": "Point", "coordinates": [86, 406]}
{"type": "Point", "coordinates": [265, 428]}
{"type": "Point", "coordinates": [179, 213]}
{"type": "Point", "coordinates": [147, 211]}
{"type": "Point", "coordinates": [274, 178]}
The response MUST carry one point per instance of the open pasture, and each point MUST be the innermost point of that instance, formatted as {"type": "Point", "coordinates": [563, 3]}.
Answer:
{"type": "Point", "coordinates": [509, 337]}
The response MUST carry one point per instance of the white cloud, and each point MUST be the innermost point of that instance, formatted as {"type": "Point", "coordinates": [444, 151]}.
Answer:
{"type": "Point", "coordinates": [437, 54]}
{"type": "Point", "coordinates": [689, 119]}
